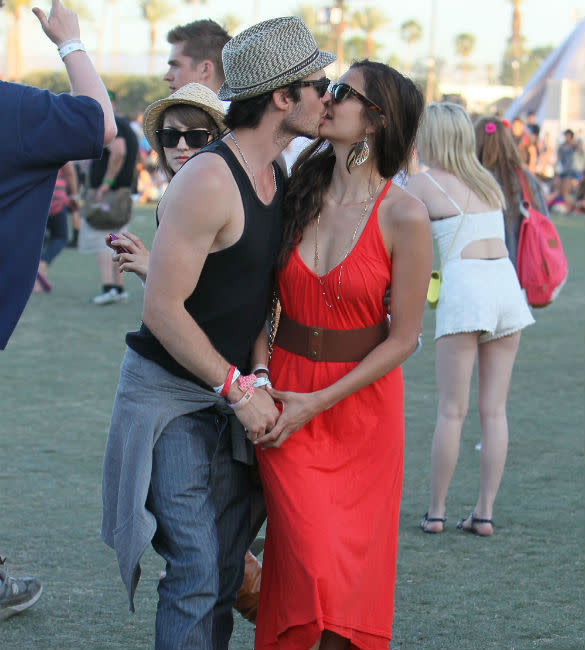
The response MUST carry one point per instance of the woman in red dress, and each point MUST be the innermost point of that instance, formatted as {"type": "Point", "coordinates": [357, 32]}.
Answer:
{"type": "Point", "coordinates": [332, 465]}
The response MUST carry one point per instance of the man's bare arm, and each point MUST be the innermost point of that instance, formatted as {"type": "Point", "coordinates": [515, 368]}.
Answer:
{"type": "Point", "coordinates": [188, 230]}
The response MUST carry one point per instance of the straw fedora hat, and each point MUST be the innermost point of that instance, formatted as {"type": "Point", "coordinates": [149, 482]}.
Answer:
{"type": "Point", "coordinates": [268, 56]}
{"type": "Point", "coordinates": [192, 94]}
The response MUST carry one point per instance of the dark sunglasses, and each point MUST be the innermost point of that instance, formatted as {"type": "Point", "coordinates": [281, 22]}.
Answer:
{"type": "Point", "coordinates": [320, 85]}
{"type": "Point", "coordinates": [340, 92]}
{"type": "Point", "coordinates": [195, 138]}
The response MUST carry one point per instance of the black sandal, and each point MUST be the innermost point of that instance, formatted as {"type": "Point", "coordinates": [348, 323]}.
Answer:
{"type": "Point", "coordinates": [428, 520]}
{"type": "Point", "coordinates": [475, 520]}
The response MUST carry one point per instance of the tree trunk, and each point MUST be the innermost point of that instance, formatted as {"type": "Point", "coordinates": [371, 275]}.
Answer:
{"type": "Point", "coordinates": [151, 49]}
{"type": "Point", "coordinates": [516, 44]}
{"type": "Point", "coordinates": [17, 48]}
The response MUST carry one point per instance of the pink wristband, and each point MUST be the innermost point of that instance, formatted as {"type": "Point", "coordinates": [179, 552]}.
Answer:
{"type": "Point", "coordinates": [246, 383]}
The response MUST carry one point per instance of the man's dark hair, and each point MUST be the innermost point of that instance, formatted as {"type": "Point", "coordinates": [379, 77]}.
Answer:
{"type": "Point", "coordinates": [202, 39]}
{"type": "Point", "coordinates": [247, 113]}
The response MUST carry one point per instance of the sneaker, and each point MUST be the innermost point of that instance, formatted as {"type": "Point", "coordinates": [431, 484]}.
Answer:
{"type": "Point", "coordinates": [105, 298]}
{"type": "Point", "coordinates": [120, 296]}
{"type": "Point", "coordinates": [17, 594]}
{"type": "Point", "coordinates": [110, 297]}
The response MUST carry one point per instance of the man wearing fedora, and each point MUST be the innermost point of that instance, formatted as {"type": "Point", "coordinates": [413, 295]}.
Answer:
{"type": "Point", "coordinates": [177, 463]}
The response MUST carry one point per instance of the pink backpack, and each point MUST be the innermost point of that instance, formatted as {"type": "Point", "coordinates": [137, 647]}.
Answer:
{"type": "Point", "coordinates": [540, 263]}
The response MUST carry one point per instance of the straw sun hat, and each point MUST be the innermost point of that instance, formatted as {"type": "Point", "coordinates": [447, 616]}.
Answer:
{"type": "Point", "coordinates": [192, 94]}
{"type": "Point", "coordinates": [268, 56]}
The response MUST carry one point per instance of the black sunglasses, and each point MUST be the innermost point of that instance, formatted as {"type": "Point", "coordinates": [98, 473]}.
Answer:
{"type": "Point", "coordinates": [340, 92]}
{"type": "Point", "coordinates": [320, 85]}
{"type": "Point", "coordinates": [195, 138]}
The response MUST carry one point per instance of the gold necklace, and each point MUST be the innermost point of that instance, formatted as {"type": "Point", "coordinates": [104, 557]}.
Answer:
{"type": "Point", "coordinates": [323, 279]}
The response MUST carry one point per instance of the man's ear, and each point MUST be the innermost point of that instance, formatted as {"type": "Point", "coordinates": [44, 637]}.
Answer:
{"type": "Point", "coordinates": [206, 69]}
{"type": "Point", "coordinates": [281, 99]}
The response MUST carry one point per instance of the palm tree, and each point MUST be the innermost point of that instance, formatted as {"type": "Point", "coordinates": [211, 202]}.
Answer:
{"type": "Point", "coordinates": [15, 8]}
{"type": "Point", "coordinates": [411, 32]}
{"type": "Point", "coordinates": [196, 4]}
{"type": "Point", "coordinates": [308, 14]}
{"type": "Point", "coordinates": [153, 12]}
{"type": "Point", "coordinates": [368, 21]}
{"type": "Point", "coordinates": [355, 47]}
{"type": "Point", "coordinates": [230, 23]}
{"type": "Point", "coordinates": [516, 42]}
{"type": "Point", "coordinates": [101, 30]}
{"type": "Point", "coordinates": [464, 44]}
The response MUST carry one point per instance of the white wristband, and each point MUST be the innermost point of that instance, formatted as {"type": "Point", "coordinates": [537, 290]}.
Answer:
{"type": "Point", "coordinates": [75, 39]}
{"type": "Point", "coordinates": [241, 402]}
{"type": "Point", "coordinates": [262, 381]}
{"type": "Point", "coordinates": [70, 47]}
{"type": "Point", "coordinates": [260, 366]}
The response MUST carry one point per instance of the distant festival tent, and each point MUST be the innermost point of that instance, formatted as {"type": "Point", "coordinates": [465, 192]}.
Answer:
{"type": "Point", "coordinates": [556, 91]}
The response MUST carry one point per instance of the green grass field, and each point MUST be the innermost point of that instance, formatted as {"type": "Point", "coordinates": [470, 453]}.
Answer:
{"type": "Point", "coordinates": [520, 589]}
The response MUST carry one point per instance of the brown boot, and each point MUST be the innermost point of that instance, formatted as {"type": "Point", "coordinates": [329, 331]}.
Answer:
{"type": "Point", "coordinates": [249, 593]}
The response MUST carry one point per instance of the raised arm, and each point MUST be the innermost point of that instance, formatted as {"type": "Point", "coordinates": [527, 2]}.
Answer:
{"type": "Point", "coordinates": [62, 27]}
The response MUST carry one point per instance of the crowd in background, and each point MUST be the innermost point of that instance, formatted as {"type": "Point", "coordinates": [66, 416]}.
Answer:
{"type": "Point", "coordinates": [543, 158]}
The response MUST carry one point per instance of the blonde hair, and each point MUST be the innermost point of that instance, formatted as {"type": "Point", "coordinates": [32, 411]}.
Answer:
{"type": "Point", "coordinates": [446, 139]}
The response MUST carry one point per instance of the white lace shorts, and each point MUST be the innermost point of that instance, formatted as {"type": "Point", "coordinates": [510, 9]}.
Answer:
{"type": "Point", "coordinates": [481, 296]}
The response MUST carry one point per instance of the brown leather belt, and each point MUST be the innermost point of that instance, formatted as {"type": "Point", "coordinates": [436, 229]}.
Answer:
{"type": "Point", "coordinates": [320, 344]}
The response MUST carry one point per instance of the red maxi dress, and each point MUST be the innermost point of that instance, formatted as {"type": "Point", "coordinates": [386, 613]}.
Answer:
{"type": "Point", "coordinates": [333, 489]}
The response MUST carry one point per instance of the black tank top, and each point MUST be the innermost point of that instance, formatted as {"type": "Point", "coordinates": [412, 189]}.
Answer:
{"type": "Point", "coordinates": [232, 295]}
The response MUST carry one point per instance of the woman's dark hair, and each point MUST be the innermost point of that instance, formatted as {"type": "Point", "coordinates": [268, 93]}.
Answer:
{"type": "Point", "coordinates": [193, 118]}
{"type": "Point", "coordinates": [392, 144]}
{"type": "Point", "coordinates": [247, 113]}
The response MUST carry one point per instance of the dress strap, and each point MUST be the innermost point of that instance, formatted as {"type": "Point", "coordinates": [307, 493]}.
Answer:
{"type": "Point", "coordinates": [382, 194]}
{"type": "Point", "coordinates": [426, 173]}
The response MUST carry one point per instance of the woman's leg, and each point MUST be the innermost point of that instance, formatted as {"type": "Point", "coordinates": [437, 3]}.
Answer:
{"type": "Point", "coordinates": [454, 360]}
{"type": "Point", "coordinates": [57, 225]}
{"type": "Point", "coordinates": [495, 364]}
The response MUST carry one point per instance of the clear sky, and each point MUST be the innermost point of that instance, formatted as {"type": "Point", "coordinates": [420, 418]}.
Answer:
{"type": "Point", "coordinates": [543, 23]}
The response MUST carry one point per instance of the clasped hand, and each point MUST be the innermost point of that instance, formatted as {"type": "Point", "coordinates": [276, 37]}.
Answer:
{"type": "Point", "coordinates": [297, 409]}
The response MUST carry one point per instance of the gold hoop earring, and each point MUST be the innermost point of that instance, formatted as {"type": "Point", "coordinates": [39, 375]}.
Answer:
{"type": "Point", "coordinates": [358, 154]}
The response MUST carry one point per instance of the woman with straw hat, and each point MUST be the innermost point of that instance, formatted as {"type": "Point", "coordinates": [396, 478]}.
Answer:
{"type": "Point", "coordinates": [176, 127]}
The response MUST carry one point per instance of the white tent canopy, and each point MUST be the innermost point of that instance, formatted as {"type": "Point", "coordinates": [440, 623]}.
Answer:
{"type": "Point", "coordinates": [556, 91]}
